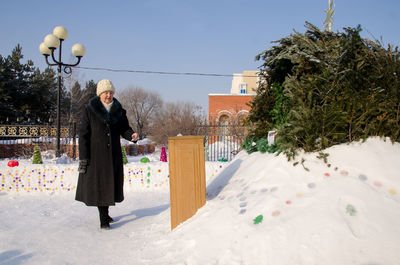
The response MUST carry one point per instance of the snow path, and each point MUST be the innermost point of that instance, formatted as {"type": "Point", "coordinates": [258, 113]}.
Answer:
{"type": "Point", "coordinates": [49, 229]}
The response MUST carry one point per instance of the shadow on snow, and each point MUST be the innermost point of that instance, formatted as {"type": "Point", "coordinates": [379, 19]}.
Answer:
{"type": "Point", "coordinates": [219, 183]}
{"type": "Point", "coordinates": [13, 257]}
{"type": "Point", "coordinates": [138, 214]}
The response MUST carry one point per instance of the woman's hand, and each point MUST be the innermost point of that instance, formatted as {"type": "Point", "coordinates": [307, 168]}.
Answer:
{"type": "Point", "coordinates": [135, 137]}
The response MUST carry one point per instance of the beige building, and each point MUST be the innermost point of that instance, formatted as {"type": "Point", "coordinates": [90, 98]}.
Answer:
{"type": "Point", "coordinates": [228, 107]}
{"type": "Point", "coordinates": [245, 83]}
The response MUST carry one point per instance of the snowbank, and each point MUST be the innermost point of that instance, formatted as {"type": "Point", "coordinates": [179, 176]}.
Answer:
{"type": "Point", "coordinates": [347, 213]}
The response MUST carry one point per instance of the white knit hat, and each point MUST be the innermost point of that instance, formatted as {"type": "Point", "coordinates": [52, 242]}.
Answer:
{"type": "Point", "coordinates": [103, 86]}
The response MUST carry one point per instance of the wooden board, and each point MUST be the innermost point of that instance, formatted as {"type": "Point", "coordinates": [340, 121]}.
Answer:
{"type": "Point", "coordinates": [187, 177]}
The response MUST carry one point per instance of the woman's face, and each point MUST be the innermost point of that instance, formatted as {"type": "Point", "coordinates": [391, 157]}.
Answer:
{"type": "Point", "coordinates": [107, 97]}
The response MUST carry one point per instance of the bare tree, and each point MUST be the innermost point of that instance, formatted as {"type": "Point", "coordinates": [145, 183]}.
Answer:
{"type": "Point", "coordinates": [141, 107]}
{"type": "Point", "coordinates": [176, 118]}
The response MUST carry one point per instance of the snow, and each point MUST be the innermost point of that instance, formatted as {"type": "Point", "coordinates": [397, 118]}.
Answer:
{"type": "Point", "coordinates": [344, 213]}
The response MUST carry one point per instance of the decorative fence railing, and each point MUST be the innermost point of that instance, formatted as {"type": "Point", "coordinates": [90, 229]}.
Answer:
{"type": "Point", "coordinates": [222, 142]}
{"type": "Point", "coordinates": [19, 140]}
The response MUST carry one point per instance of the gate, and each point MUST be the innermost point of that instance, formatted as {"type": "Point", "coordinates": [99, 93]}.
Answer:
{"type": "Point", "coordinates": [222, 141]}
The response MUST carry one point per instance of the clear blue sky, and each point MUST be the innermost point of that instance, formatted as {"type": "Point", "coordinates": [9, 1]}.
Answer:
{"type": "Point", "coordinates": [203, 36]}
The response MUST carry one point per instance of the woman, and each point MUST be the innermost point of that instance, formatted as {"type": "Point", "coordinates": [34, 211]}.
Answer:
{"type": "Point", "coordinates": [101, 175]}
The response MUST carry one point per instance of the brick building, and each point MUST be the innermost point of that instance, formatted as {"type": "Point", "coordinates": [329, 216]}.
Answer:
{"type": "Point", "coordinates": [223, 108]}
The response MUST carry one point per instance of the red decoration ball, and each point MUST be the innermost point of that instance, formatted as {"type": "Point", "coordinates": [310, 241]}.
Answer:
{"type": "Point", "coordinates": [13, 163]}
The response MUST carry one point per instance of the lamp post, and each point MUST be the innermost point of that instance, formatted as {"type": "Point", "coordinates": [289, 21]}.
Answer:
{"type": "Point", "coordinates": [47, 47]}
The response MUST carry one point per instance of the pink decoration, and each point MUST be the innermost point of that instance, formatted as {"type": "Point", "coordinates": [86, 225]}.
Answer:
{"type": "Point", "coordinates": [163, 157]}
{"type": "Point", "coordinates": [378, 184]}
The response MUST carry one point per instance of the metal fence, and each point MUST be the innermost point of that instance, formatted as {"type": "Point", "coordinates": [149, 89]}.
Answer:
{"type": "Point", "coordinates": [222, 141]}
{"type": "Point", "coordinates": [19, 140]}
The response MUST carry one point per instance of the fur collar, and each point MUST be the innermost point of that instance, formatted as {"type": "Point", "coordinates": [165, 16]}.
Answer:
{"type": "Point", "coordinates": [111, 117]}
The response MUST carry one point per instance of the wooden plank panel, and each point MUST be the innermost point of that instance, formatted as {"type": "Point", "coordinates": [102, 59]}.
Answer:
{"type": "Point", "coordinates": [187, 177]}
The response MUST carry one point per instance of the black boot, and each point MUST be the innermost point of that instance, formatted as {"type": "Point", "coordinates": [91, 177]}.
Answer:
{"type": "Point", "coordinates": [104, 218]}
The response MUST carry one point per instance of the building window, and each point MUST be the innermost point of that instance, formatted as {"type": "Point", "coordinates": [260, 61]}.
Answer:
{"type": "Point", "coordinates": [223, 127]}
{"type": "Point", "coordinates": [224, 119]}
{"type": "Point", "coordinates": [243, 88]}
{"type": "Point", "coordinates": [241, 119]}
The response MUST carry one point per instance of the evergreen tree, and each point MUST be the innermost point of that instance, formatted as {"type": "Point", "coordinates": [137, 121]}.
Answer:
{"type": "Point", "coordinates": [37, 157]}
{"type": "Point", "coordinates": [26, 92]}
{"type": "Point", "coordinates": [89, 92]}
{"type": "Point", "coordinates": [44, 95]}
{"type": "Point", "coordinates": [14, 85]}
{"type": "Point", "coordinates": [124, 158]}
{"type": "Point", "coordinates": [65, 105]}
{"type": "Point", "coordinates": [5, 100]}
{"type": "Point", "coordinates": [327, 88]}
{"type": "Point", "coordinates": [76, 96]}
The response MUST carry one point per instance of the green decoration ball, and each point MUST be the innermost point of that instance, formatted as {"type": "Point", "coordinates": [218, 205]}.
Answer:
{"type": "Point", "coordinates": [145, 160]}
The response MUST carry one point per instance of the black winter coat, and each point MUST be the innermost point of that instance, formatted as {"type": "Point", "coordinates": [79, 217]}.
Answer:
{"type": "Point", "coordinates": [99, 143]}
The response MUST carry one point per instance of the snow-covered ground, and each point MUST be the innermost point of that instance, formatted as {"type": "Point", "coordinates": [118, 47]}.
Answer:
{"type": "Point", "coordinates": [347, 213]}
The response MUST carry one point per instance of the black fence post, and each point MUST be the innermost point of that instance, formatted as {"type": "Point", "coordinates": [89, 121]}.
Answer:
{"type": "Point", "coordinates": [74, 140]}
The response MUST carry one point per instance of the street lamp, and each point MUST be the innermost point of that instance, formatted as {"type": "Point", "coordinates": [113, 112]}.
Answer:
{"type": "Point", "coordinates": [47, 47]}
